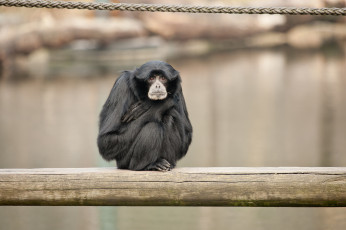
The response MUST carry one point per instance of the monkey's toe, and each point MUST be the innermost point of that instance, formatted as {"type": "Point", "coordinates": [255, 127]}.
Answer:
{"type": "Point", "coordinates": [160, 165]}
{"type": "Point", "coordinates": [163, 165]}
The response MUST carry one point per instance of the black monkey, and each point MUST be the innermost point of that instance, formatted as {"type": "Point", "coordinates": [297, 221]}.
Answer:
{"type": "Point", "coordinates": [144, 124]}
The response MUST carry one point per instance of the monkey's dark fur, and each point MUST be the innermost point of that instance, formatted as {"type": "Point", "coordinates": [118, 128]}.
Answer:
{"type": "Point", "coordinates": [144, 134]}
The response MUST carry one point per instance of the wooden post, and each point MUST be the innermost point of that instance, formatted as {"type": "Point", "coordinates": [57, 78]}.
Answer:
{"type": "Point", "coordinates": [266, 187]}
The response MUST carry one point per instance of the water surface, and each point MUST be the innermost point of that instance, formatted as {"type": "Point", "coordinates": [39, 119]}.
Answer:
{"type": "Point", "coordinates": [248, 108]}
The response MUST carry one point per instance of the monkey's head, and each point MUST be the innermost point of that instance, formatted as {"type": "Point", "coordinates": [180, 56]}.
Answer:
{"type": "Point", "coordinates": [157, 86]}
{"type": "Point", "coordinates": [157, 80]}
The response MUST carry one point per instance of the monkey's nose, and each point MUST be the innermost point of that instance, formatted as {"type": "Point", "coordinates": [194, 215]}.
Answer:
{"type": "Point", "coordinates": [157, 87]}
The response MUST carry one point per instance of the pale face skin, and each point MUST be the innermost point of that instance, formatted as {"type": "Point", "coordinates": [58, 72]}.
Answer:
{"type": "Point", "coordinates": [157, 90]}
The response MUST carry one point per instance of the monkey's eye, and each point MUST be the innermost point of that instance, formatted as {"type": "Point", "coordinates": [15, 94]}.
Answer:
{"type": "Point", "coordinates": [163, 79]}
{"type": "Point", "coordinates": [151, 78]}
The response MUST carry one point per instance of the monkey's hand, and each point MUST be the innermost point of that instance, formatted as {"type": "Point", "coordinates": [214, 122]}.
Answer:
{"type": "Point", "coordinates": [135, 111]}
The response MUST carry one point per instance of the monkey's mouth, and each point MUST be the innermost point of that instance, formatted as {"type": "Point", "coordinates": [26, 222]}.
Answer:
{"type": "Point", "coordinates": [157, 95]}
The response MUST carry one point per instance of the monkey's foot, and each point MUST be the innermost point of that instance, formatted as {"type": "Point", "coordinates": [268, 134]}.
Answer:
{"type": "Point", "coordinates": [160, 165]}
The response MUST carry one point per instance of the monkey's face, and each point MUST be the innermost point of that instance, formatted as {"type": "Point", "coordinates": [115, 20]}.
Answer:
{"type": "Point", "coordinates": [157, 84]}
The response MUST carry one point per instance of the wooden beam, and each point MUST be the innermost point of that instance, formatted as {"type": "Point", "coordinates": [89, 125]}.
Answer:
{"type": "Point", "coordinates": [324, 187]}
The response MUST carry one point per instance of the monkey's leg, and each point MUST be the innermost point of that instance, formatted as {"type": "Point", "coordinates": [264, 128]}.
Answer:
{"type": "Point", "coordinates": [146, 147]}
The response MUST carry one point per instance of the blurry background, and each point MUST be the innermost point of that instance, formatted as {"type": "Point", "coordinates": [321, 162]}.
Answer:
{"type": "Point", "coordinates": [261, 90]}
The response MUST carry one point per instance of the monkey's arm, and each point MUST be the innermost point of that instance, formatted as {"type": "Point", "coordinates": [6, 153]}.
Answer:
{"type": "Point", "coordinates": [114, 136]}
{"type": "Point", "coordinates": [135, 111]}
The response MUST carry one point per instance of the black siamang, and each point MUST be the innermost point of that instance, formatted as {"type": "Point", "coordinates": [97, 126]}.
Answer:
{"type": "Point", "coordinates": [144, 124]}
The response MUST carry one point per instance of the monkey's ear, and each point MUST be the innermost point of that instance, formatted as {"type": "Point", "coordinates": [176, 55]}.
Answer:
{"type": "Point", "coordinates": [174, 75]}
{"type": "Point", "coordinates": [171, 73]}
{"type": "Point", "coordinates": [139, 74]}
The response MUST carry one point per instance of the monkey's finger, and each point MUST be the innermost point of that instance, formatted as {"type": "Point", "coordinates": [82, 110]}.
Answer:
{"type": "Point", "coordinates": [138, 106]}
{"type": "Point", "coordinates": [138, 103]}
{"type": "Point", "coordinates": [138, 113]}
{"type": "Point", "coordinates": [161, 168]}
{"type": "Point", "coordinates": [130, 115]}
{"type": "Point", "coordinates": [135, 112]}
{"type": "Point", "coordinates": [165, 163]}
{"type": "Point", "coordinates": [126, 118]}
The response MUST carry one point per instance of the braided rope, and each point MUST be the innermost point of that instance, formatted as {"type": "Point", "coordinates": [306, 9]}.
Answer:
{"type": "Point", "coordinates": [172, 8]}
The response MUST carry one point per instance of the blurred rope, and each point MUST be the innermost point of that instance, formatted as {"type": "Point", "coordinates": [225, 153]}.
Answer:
{"type": "Point", "coordinates": [172, 8]}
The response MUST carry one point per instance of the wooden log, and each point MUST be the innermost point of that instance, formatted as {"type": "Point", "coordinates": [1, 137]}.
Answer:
{"type": "Point", "coordinates": [324, 187]}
